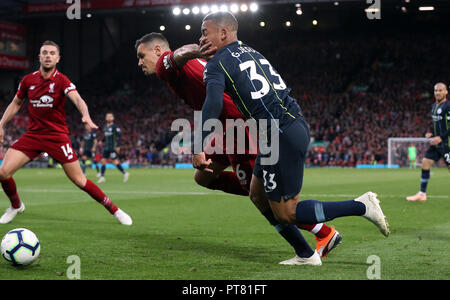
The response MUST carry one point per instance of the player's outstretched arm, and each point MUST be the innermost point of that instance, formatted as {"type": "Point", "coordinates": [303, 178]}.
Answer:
{"type": "Point", "coordinates": [9, 113]}
{"type": "Point", "coordinates": [81, 105]}
{"type": "Point", "coordinates": [187, 52]}
{"type": "Point", "coordinates": [94, 146]}
{"type": "Point", "coordinates": [211, 110]}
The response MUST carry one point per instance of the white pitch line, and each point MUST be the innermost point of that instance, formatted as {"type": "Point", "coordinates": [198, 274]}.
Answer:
{"type": "Point", "coordinates": [349, 196]}
{"type": "Point", "coordinates": [117, 192]}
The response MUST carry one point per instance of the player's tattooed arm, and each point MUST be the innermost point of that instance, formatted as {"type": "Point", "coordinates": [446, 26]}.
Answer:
{"type": "Point", "coordinates": [94, 147]}
{"type": "Point", "coordinates": [187, 52]}
{"type": "Point", "coordinates": [81, 105]}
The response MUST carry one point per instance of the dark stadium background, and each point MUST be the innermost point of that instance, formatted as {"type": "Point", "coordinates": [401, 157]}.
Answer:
{"type": "Point", "coordinates": [358, 80]}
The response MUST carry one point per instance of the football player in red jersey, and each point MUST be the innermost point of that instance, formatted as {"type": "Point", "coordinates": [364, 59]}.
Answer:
{"type": "Point", "coordinates": [46, 90]}
{"type": "Point", "coordinates": [182, 70]}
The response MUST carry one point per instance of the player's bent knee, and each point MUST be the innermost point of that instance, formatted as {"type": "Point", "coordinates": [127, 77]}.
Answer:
{"type": "Point", "coordinates": [284, 214]}
{"type": "Point", "coordinates": [427, 164]}
{"type": "Point", "coordinates": [259, 200]}
{"type": "Point", "coordinates": [285, 217]}
{"type": "Point", "coordinates": [203, 179]}
{"type": "Point", "coordinates": [80, 182]}
{"type": "Point", "coordinates": [3, 174]}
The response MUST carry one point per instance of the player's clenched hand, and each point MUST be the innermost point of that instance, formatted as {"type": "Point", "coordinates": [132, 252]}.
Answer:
{"type": "Point", "coordinates": [88, 121]}
{"type": "Point", "coordinates": [207, 50]}
{"type": "Point", "coordinates": [199, 162]}
{"type": "Point", "coordinates": [436, 141]}
{"type": "Point", "coordinates": [428, 135]}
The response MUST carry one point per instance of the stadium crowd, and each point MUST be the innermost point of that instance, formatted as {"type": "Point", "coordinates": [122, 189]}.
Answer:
{"type": "Point", "coordinates": [354, 92]}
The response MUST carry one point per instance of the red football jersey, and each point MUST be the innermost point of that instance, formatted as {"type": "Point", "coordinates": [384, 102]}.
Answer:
{"type": "Point", "coordinates": [187, 83]}
{"type": "Point", "coordinates": [46, 101]}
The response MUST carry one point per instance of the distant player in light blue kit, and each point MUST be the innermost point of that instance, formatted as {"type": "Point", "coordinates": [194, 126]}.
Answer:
{"type": "Point", "coordinates": [88, 148]}
{"type": "Point", "coordinates": [111, 147]}
{"type": "Point", "coordinates": [261, 94]}
{"type": "Point", "coordinates": [440, 140]}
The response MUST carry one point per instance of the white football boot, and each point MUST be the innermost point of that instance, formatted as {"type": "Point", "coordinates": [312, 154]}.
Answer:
{"type": "Point", "coordinates": [101, 179]}
{"type": "Point", "coordinates": [123, 218]}
{"type": "Point", "coordinates": [419, 197]}
{"type": "Point", "coordinates": [314, 260]}
{"type": "Point", "coordinates": [125, 177]}
{"type": "Point", "coordinates": [373, 212]}
{"type": "Point", "coordinates": [11, 213]}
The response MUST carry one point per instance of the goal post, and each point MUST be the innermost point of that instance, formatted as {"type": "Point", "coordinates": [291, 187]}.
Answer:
{"type": "Point", "coordinates": [402, 151]}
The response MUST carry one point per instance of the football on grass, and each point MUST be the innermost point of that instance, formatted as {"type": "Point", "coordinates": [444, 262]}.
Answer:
{"type": "Point", "coordinates": [20, 247]}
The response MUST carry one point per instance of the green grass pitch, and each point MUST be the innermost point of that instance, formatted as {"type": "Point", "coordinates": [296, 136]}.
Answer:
{"type": "Point", "coordinates": [183, 231]}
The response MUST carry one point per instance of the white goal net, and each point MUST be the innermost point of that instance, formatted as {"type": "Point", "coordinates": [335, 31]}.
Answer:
{"type": "Point", "coordinates": [406, 152]}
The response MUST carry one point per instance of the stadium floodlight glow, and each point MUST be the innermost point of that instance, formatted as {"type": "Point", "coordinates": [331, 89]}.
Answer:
{"type": "Point", "coordinates": [298, 5]}
{"type": "Point", "coordinates": [244, 7]}
{"type": "Point", "coordinates": [288, 24]}
{"type": "Point", "coordinates": [223, 8]}
{"type": "Point", "coordinates": [214, 8]}
{"type": "Point", "coordinates": [176, 11]}
{"type": "Point", "coordinates": [426, 8]}
{"type": "Point", "coordinates": [205, 9]}
{"type": "Point", "coordinates": [336, 3]}
{"type": "Point", "coordinates": [162, 28]}
{"type": "Point", "coordinates": [253, 7]}
{"type": "Point", "coordinates": [262, 24]}
{"type": "Point", "coordinates": [234, 8]}
{"type": "Point", "coordinates": [314, 22]}
{"type": "Point", "coordinates": [187, 27]}
{"type": "Point", "coordinates": [299, 11]}
{"type": "Point", "coordinates": [195, 10]}
{"type": "Point", "coordinates": [186, 11]}
{"type": "Point", "coordinates": [88, 15]}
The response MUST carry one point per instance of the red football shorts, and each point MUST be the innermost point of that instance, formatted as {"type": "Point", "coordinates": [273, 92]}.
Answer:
{"type": "Point", "coordinates": [242, 164]}
{"type": "Point", "coordinates": [57, 146]}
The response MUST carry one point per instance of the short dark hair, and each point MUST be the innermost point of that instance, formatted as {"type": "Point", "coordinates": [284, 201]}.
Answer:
{"type": "Point", "coordinates": [51, 43]}
{"type": "Point", "coordinates": [221, 18]}
{"type": "Point", "coordinates": [150, 37]}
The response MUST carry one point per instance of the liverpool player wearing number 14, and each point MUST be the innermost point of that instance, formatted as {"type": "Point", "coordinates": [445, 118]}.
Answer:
{"type": "Point", "coordinates": [46, 90]}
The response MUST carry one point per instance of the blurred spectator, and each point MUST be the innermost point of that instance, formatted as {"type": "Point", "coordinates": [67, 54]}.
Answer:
{"type": "Point", "coordinates": [354, 92]}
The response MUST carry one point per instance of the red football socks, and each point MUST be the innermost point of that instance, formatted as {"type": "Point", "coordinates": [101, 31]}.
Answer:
{"type": "Point", "coordinates": [229, 183]}
{"type": "Point", "coordinates": [9, 186]}
{"type": "Point", "coordinates": [319, 230]}
{"type": "Point", "coordinates": [95, 192]}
